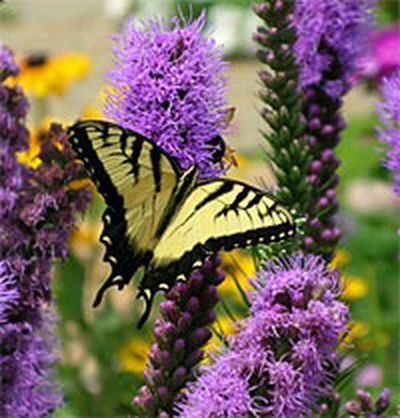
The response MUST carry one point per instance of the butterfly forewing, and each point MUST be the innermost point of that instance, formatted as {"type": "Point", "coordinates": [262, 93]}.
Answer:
{"type": "Point", "coordinates": [136, 180]}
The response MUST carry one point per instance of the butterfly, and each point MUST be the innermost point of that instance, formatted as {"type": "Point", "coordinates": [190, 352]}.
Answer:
{"type": "Point", "coordinates": [164, 219]}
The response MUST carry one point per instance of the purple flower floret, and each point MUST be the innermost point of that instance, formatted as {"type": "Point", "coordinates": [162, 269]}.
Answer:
{"type": "Point", "coordinates": [37, 213]}
{"type": "Point", "coordinates": [168, 84]}
{"type": "Point", "coordinates": [286, 346]}
{"type": "Point", "coordinates": [223, 390]}
{"type": "Point", "coordinates": [331, 34]}
{"type": "Point", "coordinates": [8, 66]}
{"type": "Point", "coordinates": [389, 111]}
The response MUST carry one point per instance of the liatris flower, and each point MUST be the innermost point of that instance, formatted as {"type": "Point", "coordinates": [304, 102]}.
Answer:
{"type": "Point", "coordinates": [168, 84]}
{"type": "Point", "coordinates": [390, 135]}
{"type": "Point", "coordinates": [180, 335]}
{"type": "Point", "coordinates": [365, 406]}
{"type": "Point", "coordinates": [330, 38]}
{"type": "Point", "coordinates": [282, 102]}
{"type": "Point", "coordinates": [37, 214]}
{"type": "Point", "coordinates": [223, 390]}
{"type": "Point", "coordinates": [383, 57]}
{"type": "Point", "coordinates": [284, 352]}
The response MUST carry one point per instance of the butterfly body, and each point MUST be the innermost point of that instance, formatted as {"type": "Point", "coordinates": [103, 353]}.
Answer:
{"type": "Point", "coordinates": [162, 218]}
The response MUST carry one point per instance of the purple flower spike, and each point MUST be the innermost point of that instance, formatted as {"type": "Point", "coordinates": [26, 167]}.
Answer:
{"type": "Point", "coordinates": [331, 36]}
{"type": "Point", "coordinates": [282, 361]}
{"type": "Point", "coordinates": [37, 215]}
{"type": "Point", "coordinates": [168, 84]}
{"type": "Point", "coordinates": [174, 354]}
{"type": "Point", "coordinates": [328, 32]}
{"type": "Point", "coordinates": [390, 135]}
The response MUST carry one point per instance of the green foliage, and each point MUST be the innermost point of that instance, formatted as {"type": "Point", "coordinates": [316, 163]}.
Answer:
{"type": "Point", "coordinates": [106, 390]}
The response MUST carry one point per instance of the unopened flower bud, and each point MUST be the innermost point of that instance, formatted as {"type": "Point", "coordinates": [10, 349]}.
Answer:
{"type": "Point", "coordinates": [383, 401]}
{"type": "Point", "coordinates": [163, 394]}
{"type": "Point", "coordinates": [194, 305]}
{"type": "Point", "coordinates": [353, 407]}
{"type": "Point", "coordinates": [184, 321]}
{"type": "Point", "coordinates": [179, 376]}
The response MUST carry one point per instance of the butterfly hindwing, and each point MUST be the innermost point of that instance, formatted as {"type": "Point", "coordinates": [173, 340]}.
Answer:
{"type": "Point", "coordinates": [221, 215]}
{"type": "Point", "coordinates": [136, 180]}
{"type": "Point", "coordinates": [215, 215]}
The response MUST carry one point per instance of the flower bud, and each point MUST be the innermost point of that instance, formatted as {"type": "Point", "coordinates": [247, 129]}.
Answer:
{"type": "Point", "coordinates": [163, 394]}
{"type": "Point", "coordinates": [179, 376]}
{"type": "Point", "coordinates": [165, 359]}
{"type": "Point", "coordinates": [185, 321]}
{"type": "Point", "coordinates": [316, 166]}
{"type": "Point", "coordinates": [200, 336]}
{"type": "Point", "coordinates": [194, 358]}
{"type": "Point", "coordinates": [365, 399]}
{"type": "Point", "coordinates": [314, 123]}
{"type": "Point", "coordinates": [179, 347]}
{"type": "Point", "coordinates": [308, 242]}
{"type": "Point", "coordinates": [383, 401]}
{"type": "Point", "coordinates": [193, 305]}
{"type": "Point", "coordinates": [353, 407]}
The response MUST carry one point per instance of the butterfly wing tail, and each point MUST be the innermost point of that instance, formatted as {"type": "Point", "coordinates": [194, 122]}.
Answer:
{"type": "Point", "coordinates": [123, 257]}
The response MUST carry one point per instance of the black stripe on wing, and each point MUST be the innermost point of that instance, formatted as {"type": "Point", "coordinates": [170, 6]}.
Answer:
{"type": "Point", "coordinates": [165, 278]}
{"type": "Point", "coordinates": [79, 139]}
{"type": "Point", "coordinates": [122, 255]}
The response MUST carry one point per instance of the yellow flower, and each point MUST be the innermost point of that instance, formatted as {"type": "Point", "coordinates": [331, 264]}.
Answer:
{"type": "Point", "coordinates": [342, 257]}
{"type": "Point", "coordinates": [132, 355]}
{"type": "Point", "coordinates": [30, 157]}
{"type": "Point", "coordinates": [90, 112]}
{"type": "Point", "coordinates": [87, 233]}
{"type": "Point", "coordinates": [237, 265]}
{"type": "Point", "coordinates": [42, 76]}
{"type": "Point", "coordinates": [84, 238]}
{"type": "Point", "coordinates": [358, 330]}
{"type": "Point", "coordinates": [354, 287]}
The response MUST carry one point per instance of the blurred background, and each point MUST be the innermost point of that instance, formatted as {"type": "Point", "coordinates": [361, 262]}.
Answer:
{"type": "Point", "coordinates": [103, 355]}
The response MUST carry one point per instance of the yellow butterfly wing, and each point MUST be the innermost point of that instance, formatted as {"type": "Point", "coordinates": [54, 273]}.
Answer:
{"type": "Point", "coordinates": [215, 215]}
{"type": "Point", "coordinates": [137, 181]}
{"type": "Point", "coordinates": [223, 214]}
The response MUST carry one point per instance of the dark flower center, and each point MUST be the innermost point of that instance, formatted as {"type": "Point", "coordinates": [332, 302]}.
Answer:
{"type": "Point", "coordinates": [36, 59]}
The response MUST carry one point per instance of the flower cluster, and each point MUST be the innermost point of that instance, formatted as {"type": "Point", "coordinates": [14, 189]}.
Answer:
{"type": "Point", "coordinates": [180, 335]}
{"type": "Point", "coordinates": [168, 84]}
{"type": "Point", "coordinates": [383, 58]}
{"type": "Point", "coordinates": [37, 212]}
{"type": "Point", "coordinates": [282, 360]}
{"type": "Point", "coordinates": [331, 36]}
{"type": "Point", "coordinates": [390, 115]}
{"type": "Point", "coordinates": [364, 405]}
